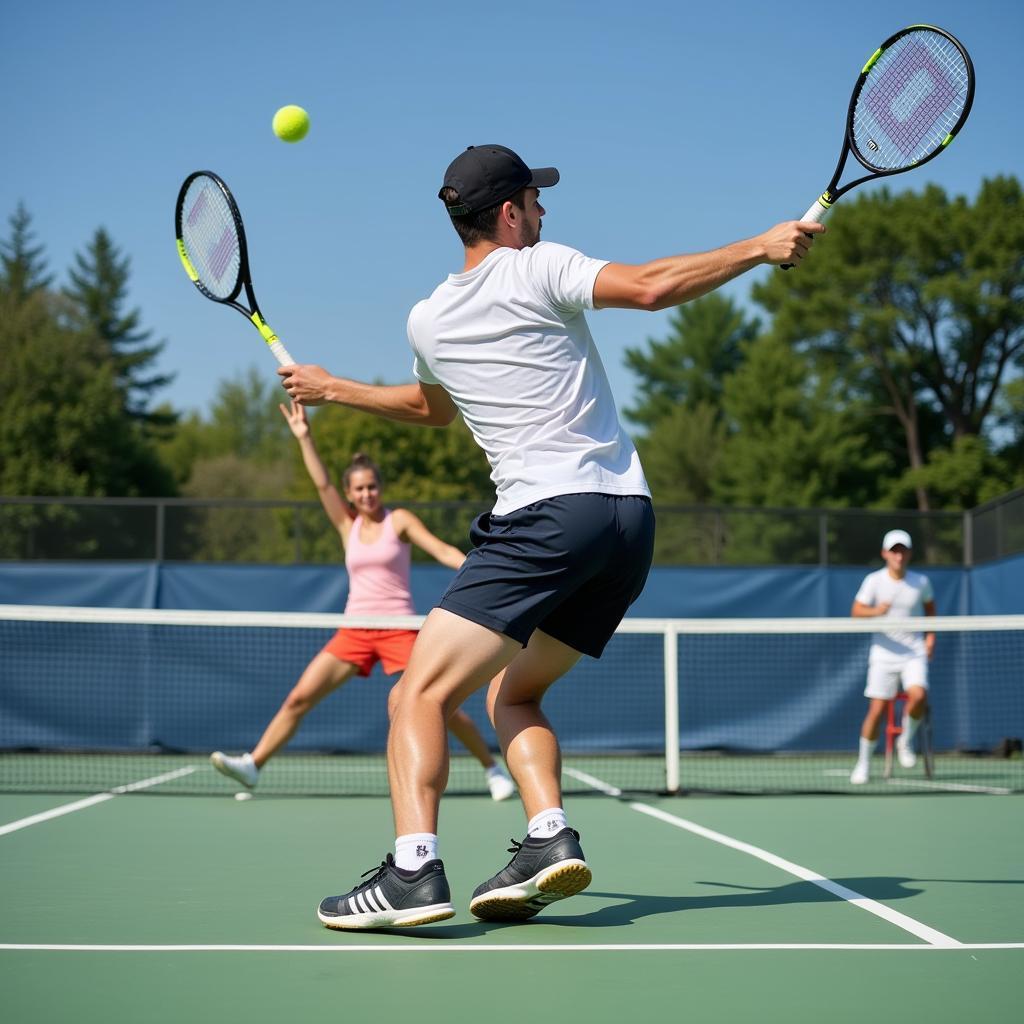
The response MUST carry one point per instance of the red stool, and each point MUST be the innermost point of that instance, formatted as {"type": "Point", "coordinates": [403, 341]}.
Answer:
{"type": "Point", "coordinates": [892, 728]}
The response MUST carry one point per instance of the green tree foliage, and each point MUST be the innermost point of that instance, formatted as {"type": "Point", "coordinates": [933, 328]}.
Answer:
{"type": "Point", "coordinates": [243, 448]}
{"type": "Point", "coordinates": [680, 383]}
{"type": "Point", "coordinates": [917, 300]}
{"type": "Point", "coordinates": [240, 450]}
{"type": "Point", "coordinates": [63, 439]}
{"type": "Point", "coordinates": [22, 263]}
{"type": "Point", "coordinates": [682, 452]}
{"type": "Point", "coordinates": [98, 293]}
{"type": "Point", "coordinates": [793, 439]}
{"type": "Point", "coordinates": [220, 531]}
{"type": "Point", "coordinates": [244, 422]}
{"type": "Point", "coordinates": [964, 475]}
{"type": "Point", "coordinates": [689, 366]}
{"type": "Point", "coordinates": [68, 437]}
{"type": "Point", "coordinates": [71, 434]}
{"type": "Point", "coordinates": [417, 464]}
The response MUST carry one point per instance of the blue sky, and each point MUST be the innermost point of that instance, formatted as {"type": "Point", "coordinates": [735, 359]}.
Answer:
{"type": "Point", "coordinates": [676, 127]}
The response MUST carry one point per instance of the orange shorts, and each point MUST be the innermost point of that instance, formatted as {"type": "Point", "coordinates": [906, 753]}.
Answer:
{"type": "Point", "coordinates": [365, 647]}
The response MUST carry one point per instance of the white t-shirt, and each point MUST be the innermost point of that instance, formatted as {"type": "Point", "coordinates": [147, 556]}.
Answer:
{"type": "Point", "coordinates": [509, 342]}
{"type": "Point", "coordinates": [906, 598]}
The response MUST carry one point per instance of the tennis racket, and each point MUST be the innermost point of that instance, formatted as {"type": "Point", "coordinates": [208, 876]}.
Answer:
{"type": "Point", "coordinates": [211, 244]}
{"type": "Point", "coordinates": [910, 101]}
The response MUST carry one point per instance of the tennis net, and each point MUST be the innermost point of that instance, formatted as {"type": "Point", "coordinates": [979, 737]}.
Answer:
{"type": "Point", "coordinates": [96, 699]}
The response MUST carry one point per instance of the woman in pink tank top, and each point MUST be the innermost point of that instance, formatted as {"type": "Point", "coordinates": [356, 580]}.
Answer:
{"type": "Point", "coordinates": [377, 543]}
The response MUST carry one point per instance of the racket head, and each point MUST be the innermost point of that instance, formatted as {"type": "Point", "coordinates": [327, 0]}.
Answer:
{"type": "Point", "coordinates": [912, 97]}
{"type": "Point", "coordinates": [211, 238]}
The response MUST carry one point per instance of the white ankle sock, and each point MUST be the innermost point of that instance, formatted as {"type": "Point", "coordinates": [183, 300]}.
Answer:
{"type": "Point", "coordinates": [909, 726]}
{"type": "Point", "coordinates": [547, 823]}
{"type": "Point", "coordinates": [867, 748]}
{"type": "Point", "coordinates": [414, 850]}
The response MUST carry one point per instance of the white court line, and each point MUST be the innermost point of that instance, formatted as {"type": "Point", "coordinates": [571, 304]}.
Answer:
{"type": "Point", "coordinates": [951, 787]}
{"type": "Point", "coordinates": [593, 782]}
{"type": "Point", "coordinates": [98, 798]}
{"type": "Point", "coordinates": [451, 947]}
{"type": "Point", "coordinates": [922, 931]}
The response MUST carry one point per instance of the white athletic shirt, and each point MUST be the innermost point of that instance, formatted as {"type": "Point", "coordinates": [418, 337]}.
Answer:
{"type": "Point", "coordinates": [509, 342]}
{"type": "Point", "coordinates": [906, 597]}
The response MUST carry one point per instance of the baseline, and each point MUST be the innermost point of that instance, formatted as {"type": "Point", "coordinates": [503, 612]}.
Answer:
{"type": "Point", "coordinates": [451, 947]}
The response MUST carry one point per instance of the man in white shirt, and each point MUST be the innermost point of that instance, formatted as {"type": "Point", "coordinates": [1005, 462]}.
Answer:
{"type": "Point", "coordinates": [568, 545]}
{"type": "Point", "coordinates": [897, 658]}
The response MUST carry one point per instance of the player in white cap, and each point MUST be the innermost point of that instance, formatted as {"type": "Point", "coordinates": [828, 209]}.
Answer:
{"type": "Point", "coordinates": [898, 658]}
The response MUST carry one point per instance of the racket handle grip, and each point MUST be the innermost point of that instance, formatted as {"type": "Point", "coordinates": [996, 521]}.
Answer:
{"type": "Point", "coordinates": [815, 214]}
{"type": "Point", "coordinates": [281, 353]}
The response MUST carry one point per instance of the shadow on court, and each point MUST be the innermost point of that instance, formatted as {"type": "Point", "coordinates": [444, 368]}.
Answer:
{"type": "Point", "coordinates": [633, 907]}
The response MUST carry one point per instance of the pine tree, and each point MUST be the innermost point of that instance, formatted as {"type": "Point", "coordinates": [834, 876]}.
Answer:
{"type": "Point", "coordinates": [69, 435]}
{"type": "Point", "coordinates": [98, 292]}
{"type": "Point", "coordinates": [22, 265]}
{"type": "Point", "coordinates": [688, 367]}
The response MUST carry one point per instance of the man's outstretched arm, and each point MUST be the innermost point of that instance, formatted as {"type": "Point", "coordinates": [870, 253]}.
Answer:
{"type": "Point", "coordinates": [677, 279]}
{"type": "Point", "coordinates": [429, 405]}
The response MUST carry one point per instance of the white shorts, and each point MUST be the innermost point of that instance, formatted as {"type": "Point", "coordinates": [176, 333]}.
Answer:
{"type": "Point", "coordinates": [884, 679]}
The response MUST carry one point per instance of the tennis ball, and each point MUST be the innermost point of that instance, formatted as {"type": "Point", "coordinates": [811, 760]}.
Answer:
{"type": "Point", "coordinates": [291, 124]}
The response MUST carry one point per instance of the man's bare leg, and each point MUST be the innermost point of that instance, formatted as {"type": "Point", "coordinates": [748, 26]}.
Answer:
{"type": "Point", "coordinates": [527, 740]}
{"type": "Point", "coordinates": [452, 658]}
{"type": "Point", "coordinates": [549, 864]}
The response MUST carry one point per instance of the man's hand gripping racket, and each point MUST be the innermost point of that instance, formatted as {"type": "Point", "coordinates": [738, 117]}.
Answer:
{"type": "Point", "coordinates": [910, 101]}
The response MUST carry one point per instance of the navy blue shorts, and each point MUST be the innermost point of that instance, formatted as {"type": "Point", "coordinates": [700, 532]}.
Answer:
{"type": "Point", "coordinates": [569, 565]}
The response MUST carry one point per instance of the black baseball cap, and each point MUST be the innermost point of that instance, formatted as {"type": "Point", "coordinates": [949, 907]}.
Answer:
{"type": "Point", "coordinates": [487, 175]}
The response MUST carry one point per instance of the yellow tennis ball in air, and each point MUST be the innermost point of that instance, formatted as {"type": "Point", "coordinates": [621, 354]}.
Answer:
{"type": "Point", "coordinates": [291, 123]}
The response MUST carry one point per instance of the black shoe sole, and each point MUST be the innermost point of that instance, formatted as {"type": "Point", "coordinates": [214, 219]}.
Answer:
{"type": "Point", "coordinates": [525, 900]}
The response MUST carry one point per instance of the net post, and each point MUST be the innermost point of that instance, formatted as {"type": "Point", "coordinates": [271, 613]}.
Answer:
{"type": "Point", "coordinates": [671, 643]}
{"type": "Point", "coordinates": [160, 532]}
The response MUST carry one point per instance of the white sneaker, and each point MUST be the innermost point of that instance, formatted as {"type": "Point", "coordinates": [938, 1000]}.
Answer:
{"type": "Point", "coordinates": [907, 757]}
{"type": "Point", "coordinates": [859, 775]}
{"type": "Point", "coordinates": [500, 785]}
{"type": "Point", "coordinates": [241, 769]}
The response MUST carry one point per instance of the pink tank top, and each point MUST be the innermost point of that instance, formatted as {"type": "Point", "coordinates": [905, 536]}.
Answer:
{"type": "Point", "coordinates": [378, 573]}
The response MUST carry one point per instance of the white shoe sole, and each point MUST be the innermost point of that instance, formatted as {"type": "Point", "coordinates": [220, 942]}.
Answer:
{"type": "Point", "coordinates": [517, 902]}
{"type": "Point", "coordinates": [389, 918]}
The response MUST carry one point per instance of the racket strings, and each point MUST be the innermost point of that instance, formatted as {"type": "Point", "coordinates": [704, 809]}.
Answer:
{"type": "Point", "coordinates": [911, 100]}
{"type": "Point", "coordinates": [210, 236]}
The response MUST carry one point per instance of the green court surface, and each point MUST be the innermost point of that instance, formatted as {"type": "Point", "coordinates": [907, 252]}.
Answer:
{"type": "Point", "coordinates": [814, 908]}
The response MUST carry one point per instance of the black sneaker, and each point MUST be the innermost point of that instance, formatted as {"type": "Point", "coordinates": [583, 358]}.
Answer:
{"type": "Point", "coordinates": [541, 872]}
{"type": "Point", "coordinates": [392, 898]}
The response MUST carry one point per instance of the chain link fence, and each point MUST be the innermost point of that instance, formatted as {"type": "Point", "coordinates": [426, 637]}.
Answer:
{"type": "Point", "coordinates": [997, 528]}
{"type": "Point", "coordinates": [290, 532]}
